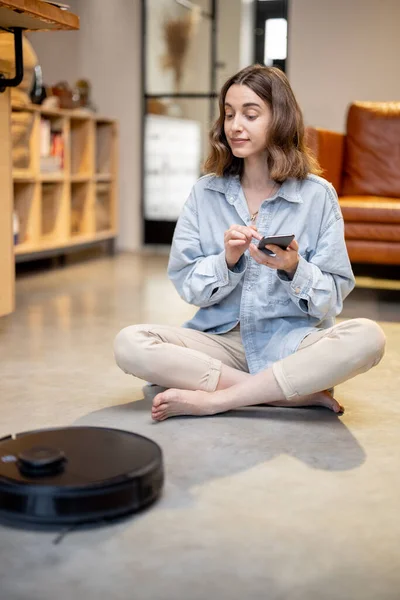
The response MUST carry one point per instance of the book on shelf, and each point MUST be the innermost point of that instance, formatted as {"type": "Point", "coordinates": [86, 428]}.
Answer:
{"type": "Point", "coordinates": [51, 148]}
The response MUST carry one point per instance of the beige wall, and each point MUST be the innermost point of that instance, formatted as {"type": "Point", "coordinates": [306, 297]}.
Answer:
{"type": "Point", "coordinates": [58, 53]}
{"type": "Point", "coordinates": [107, 50]}
{"type": "Point", "coordinates": [229, 32]}
{"type": "Point", "coordinates": [341, 51]}
{"type": "Point", "coordinates": [247, 25]}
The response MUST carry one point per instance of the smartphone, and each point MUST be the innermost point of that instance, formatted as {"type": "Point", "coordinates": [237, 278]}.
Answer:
{"type": "Point", "coordinates": [282, 241]}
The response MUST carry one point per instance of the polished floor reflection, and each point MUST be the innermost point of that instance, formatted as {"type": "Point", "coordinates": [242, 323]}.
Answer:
{"type": "Point", "coordinates": [261, 502]}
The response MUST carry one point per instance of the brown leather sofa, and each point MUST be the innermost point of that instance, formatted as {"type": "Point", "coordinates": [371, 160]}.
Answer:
{"type": "Point", "coordinates": [364, 167]}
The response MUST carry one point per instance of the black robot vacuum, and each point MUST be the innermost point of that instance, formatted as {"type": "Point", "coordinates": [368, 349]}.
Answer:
{"type": "Point", "coordinates": [77, 475]}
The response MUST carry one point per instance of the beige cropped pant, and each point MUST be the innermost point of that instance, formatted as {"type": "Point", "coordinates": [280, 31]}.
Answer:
{"type": "Point", "coordinates": [187, 359]}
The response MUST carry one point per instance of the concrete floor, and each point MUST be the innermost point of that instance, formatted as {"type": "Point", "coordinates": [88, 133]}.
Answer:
{"type": "Point", "coordinates": [259, 503]}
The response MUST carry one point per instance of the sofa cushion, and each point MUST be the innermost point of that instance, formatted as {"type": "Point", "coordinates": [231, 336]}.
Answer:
{"type": "Point", "coordinates": [380, 253]}
{"type": "Point", "coordinates": [370, 209]}
{"type": "Point", "coordinates": [327, 147]}
{"type": "Point", "coordinates": [378, 232]}
{"type": "Point", "coordinates": [372, 151]}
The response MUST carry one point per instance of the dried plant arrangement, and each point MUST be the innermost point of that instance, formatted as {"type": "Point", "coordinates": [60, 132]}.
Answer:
{"type": "Point", "coordinates": [178, 33]}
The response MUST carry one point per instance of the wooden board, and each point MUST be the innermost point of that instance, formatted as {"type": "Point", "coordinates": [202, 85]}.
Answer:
{"type": "Point", "coordinates": [6, 210]}
{"type": "Point", "coordinates": [34, 15]}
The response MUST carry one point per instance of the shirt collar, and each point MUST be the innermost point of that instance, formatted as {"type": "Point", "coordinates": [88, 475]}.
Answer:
{"type": "Point", "coordinates": [230, 186]}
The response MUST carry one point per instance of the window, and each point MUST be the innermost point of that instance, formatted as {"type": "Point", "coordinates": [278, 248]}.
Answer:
{"type": "Point", "coordinates": [275, 41]}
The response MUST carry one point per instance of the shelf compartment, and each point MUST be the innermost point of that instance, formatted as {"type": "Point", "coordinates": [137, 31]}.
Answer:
{"type": "Point", "coordinates": [52, 145]}
{"type": "Point", "coordinates": [81, 156]}
{"type": "Point", "coordinates": [26, 208]}
{"type": "Point", "coordinates": [22, 132]}
{"type": "Point", "coordinates": [54, 213]}
{"type": "Point", "coordinates": [104, 147]}
{"type": "Point", "coordinates": [103, 207]}
{"type": "Point", "coordinates": [81, 216]}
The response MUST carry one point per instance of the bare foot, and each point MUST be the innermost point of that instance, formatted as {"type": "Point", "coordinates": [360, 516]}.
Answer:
{"type": "Point", "coordinates": [319, 399]}
{"type": "Point", "coordinates": [173, 403]}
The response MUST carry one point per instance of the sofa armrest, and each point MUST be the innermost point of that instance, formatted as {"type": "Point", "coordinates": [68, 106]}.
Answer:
{"type": "Point", "coordinates": [328, 148]}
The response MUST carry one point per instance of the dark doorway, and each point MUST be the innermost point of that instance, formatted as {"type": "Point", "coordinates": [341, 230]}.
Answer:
{"type": "Point", "coordinates": [271, 33]}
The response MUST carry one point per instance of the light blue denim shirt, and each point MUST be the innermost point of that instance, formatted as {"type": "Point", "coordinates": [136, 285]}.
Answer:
{"type": "Point", "coordinates": [275, 313]}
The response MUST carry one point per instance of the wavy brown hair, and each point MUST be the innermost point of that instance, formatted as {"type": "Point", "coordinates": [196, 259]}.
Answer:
{"type": "Point", "coordinates": [287, 153]}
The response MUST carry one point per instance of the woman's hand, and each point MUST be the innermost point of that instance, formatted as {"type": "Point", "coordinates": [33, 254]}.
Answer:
{"type": "Point", "coordinates": [285, 260]}
{"type": "Point", "coordinates": [236, 241]}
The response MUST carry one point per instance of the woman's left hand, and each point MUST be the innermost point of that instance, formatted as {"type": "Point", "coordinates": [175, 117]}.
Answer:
{"type": "Point", "coordinates": [285, 260]}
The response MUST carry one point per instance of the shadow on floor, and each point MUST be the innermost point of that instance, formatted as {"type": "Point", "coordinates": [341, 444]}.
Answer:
{"type": "Point", "coordinates": [197, 450]}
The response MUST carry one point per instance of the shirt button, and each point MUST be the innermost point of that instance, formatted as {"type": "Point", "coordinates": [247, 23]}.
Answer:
{"type": "Point", "coordinates": [297, 290]}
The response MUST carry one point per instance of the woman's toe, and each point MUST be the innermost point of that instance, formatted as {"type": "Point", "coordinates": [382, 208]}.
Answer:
{"type": "Point", "coordinates": [158, 400]}
{"type": "Point", "coordinates": [336, 407]}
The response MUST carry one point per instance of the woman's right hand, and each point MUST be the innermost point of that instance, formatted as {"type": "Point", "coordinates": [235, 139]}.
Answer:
{"type": "Point", "coordinates": [236, 240]}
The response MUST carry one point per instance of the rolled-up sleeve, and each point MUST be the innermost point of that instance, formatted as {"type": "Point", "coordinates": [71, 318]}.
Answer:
{"type": "Point", "coordinates": [200, 280]}
{"type": "Point", "coordinates": [322, 282]}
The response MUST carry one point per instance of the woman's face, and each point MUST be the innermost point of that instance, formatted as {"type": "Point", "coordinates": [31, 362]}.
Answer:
{"type": "Point", "coordinates": [247, 119]}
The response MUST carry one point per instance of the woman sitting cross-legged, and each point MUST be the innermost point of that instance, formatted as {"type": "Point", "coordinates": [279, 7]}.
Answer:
{"type": "Point", "coordinates": [265, 330]}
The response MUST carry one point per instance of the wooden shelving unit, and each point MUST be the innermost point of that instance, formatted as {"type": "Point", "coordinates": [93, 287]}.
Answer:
{"type": "Point", "coordinates": [75, 205]}
{"type": "Point", "coordinates": [30, 15]}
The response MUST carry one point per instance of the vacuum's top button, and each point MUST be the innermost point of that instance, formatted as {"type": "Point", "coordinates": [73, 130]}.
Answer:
{"type": "Point", "coordinates": [40, 456]}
